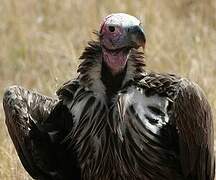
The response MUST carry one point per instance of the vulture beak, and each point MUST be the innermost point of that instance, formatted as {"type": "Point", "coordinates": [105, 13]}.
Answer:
{"type": "Point", "coordinates": [136, 36]}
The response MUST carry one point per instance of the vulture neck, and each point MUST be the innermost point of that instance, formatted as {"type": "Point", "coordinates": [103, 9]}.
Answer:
{"type": "Point", "coordinates": [96, 76]}
{"type": "Point", "coordinates": [112, 82]}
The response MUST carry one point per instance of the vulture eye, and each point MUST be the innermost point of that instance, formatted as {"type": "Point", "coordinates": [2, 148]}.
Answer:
{"type": "Point", "coordinates": [111, 28]}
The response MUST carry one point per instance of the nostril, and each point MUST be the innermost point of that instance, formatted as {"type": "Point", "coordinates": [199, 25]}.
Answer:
{"type": "Point", "coordinates": [111, 28]}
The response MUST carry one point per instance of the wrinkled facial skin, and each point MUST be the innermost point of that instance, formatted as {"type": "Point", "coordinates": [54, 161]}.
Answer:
{"type": "Point", "coordinates": [113, 36]}
{"type": "Point", "coordinates": [118, 34]}
{"type": "Point", "coordinates": [115, 30]}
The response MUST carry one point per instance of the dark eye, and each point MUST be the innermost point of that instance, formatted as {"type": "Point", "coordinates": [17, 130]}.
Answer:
{"type": "Point", "coordinates": [111, 28]}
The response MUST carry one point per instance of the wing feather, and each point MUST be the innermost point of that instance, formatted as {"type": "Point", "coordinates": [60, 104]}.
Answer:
{"type": "Point", "coordinates": [194, 123]}
{"type": "Point", "coordinates": [23, 110]}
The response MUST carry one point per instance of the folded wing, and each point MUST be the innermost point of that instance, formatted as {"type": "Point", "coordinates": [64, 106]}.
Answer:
{"type": "Point", "coordinates": [194, 123]}
{"type": "Point", "coordinates": [24, 111]}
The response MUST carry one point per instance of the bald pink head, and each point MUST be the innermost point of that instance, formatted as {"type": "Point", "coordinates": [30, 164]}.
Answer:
{"type": "Point", "coordinates": [118, 34]}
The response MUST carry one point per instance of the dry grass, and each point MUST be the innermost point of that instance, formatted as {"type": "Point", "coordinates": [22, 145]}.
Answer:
{"type": "Point", "coordinates": [41, 42]}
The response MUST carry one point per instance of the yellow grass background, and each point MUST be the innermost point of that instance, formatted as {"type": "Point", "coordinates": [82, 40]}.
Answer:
{"type": "Point", "coordinates": [41, 40]}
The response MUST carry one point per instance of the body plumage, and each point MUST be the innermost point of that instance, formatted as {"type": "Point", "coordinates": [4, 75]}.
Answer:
{"type": "Point", "coordinates": [104, 125]}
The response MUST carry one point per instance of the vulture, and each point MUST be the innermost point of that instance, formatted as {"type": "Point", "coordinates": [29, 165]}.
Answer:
{"type": "Point", "coordinates": [115, 120]}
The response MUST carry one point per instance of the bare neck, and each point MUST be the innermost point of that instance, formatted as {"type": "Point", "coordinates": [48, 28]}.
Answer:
{"type": "Point", "coordinates": [95, 75]}
{"type": "Point", "coordinates": [112, 81]}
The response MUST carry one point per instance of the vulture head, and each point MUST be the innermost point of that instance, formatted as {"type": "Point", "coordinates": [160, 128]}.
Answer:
{"type": "Point", "coordinates": [119, 33]}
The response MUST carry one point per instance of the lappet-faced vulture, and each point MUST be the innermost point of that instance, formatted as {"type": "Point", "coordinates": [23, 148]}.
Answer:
{"type": "Point", "coordinates": [115, 121]}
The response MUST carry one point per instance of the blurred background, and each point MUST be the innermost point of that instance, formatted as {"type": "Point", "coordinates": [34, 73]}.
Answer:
{"type": "Point", "coordinates": [41, 40]}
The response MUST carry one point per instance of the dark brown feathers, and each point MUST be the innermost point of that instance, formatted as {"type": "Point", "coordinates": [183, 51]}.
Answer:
{"type": "Point", "coordinates": [183, 146]}
{"type": "Point", "coordinates": [193, 117]}
{"type": "Point", "coordinates": [137, 126]}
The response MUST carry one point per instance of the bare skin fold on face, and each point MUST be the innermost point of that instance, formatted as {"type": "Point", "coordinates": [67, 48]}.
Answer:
{"type": "Point", "coordinates": [119, 33]}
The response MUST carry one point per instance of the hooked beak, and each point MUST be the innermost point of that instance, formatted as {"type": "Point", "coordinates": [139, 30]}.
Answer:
{"type": "Point", "coordinates": [136, 36]}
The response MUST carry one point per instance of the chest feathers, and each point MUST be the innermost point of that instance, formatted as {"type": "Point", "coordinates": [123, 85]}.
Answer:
{"type": "Point", "coordinates": [120, 140]}
{"type": "Point", "coordinates": [128, 135]}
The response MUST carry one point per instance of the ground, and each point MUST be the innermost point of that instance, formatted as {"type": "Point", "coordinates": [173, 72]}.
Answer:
{"type": "Point", "coordinates": [42, 40]}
